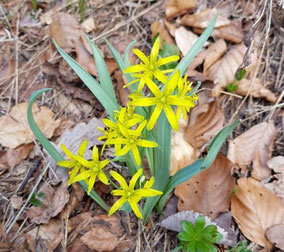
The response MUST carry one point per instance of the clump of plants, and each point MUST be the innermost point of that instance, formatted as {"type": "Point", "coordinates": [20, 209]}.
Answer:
{"type": "Point", "coordinates": [142, 129]}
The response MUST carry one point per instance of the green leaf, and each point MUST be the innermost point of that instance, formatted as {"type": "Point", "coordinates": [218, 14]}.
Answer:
{"type": "Point", "coordinates": [205, 247]}
{"type": "Point", "coordinates": [231, 88]}
{"type": "Point", "coordinates": [200, 224]}
{"type": "Point", "coordinates": [50, 148]}
{"type": "Point", "coordinates": [169, 50]}
{"type": "Point", "coordinates": [162, 162]}
{"type": "Point", "coordinates": [178, 178]}
{"type": "Point", "coordinates": [103, 73]}
{"type": "Point", "coordinates": [183, 236]}
{"type": "Point", "coordinates": [40, 195]}
{"type": "Point", "coordinates": [155, 38]}
{"type": "Point", "coordinates": [187, 227]}
{"type": "Point", "coordinates": [240, 74]}
{"type": "Point", "coordinates": [126, 52]}
{"type": "Point", "coordinates": [109, 104]}
{"type": "Point", "coordinates": [217, 143]}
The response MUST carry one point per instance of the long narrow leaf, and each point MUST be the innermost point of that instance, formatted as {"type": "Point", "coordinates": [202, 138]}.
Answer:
{"type": "Point", "coordinates": [50, 148]}
{"type": "Point", "coordinates": [162, 162]}
{"type": "Point", "coordinates": [126, 52]}
{"type": "Point", "coordinates": [91, 83]}
{"type": "Point", "coordinates": [105, 80]}
{"type": "Point", "coordinates": [183, 65]}
{"type": "Point", "coordinates": [199, 165]}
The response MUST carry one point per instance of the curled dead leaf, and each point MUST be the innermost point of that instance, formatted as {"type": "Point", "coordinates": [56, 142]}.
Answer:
{"type": "Point", "coordinates": [15, 131]}
{"type": "Point", "coordinates": [176, 8]}
{"type": "Point", "coordinates": [209, 192]}
{"type": "Point", "coordinates": [89, 25]}
{"type": "Point", "coordinates": [255, 209]}
{"type": "Point", "coordinates": [47, 236]}
{"type": "Point", "coordinates": [204, 18]}
{"type": "Point", "coordinates": [277, 186]}
{"type": "Point", "coordinates": [15, 156]}
{"type": "Point", "coordinates": [184, 39]}
{"type": "Point", "coordinates": [232, 32]}
{"type": "Point", "coordinates": [159, 27]}
{"type": "Point", "coordinates": [205, 122]}
{"type": "Point", "coordinates": [275, 235]}
{"type": "Point", "coordinates": [223, 71]}
{"type": "Point", "coordinates": [276, 164]}
{"type": "Point", "coordinates": [254, 146]}
{"type": "Point", "coordinates": [258, 90]}
{"type": "Point", "coordinates": [65, 30]}
{"type": "Point", "coordinates": [52, 204]}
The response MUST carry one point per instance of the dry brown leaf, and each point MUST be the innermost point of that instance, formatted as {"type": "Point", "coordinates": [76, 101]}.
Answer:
{"type": "Point", "coordinates": [123, 92]}
{"type": "Point", "coordinates": [255, 209]}
{"type": "Point", "coordinates": [184, 39]}
{"type": "Point", "coordinates": [15, 156]}
{"type": "Point", "coordinates": [182, 153]}
{"type": "Point", "coordinates": [209, 192]}
{"type": "Point", "coordinates": [223, 71]}
{"type": "Point", "coordinates": [84, 58]}
{"type": "Point", "coordinates": [204, 18]}
{"type": "Point", "coordinates": [65, 30]}
{"type": "Point", "coordinates": [47, 236]}
{"type": "Point", "coordinates": [277, 186]}
{"type": "Point", "coordinates": [232, 32]}
{"type": "Point", "coordinates": [15, 129]}
{"type": "Point", "coordinates": [205, 122]}
{"type": "Point", "coordinates": [254, 146]}
{"type": "Point", "coordinates": [176, 8]}
{"type": "Point", "coordinates": [111, 65]}
{"type": "Point", "coordinates": [89, 25]}
{"type": "Point", "coordinates": [276, 164]}
{"type": "Point", "coordinates": [275, 235]}
{"type": "Point", "coordinates": [16, 202]}
{"type": "Point", "coordinates": [258, 90]}
{"type": "Point", "coordinates": [214, 53]}
{"type": "Point", "coordinates": [52, 204]}
{"type": "Point", "coordinates": [159, 27]}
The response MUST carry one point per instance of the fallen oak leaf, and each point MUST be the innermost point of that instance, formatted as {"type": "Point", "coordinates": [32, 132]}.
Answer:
{"type": "Point", "coordinates": [176, 8]}
{"type": "Point", "coordinates": [51, 205]}
{"type": "Point", "coordinates": [15, 156]}
{"type": "Point", "coordinates": [204, 18]}
{"type": "Point", "coordinates": [255, 209]}
{"type": "Point", "coordinates": [159, 27]}
{"type": "Point", "coordinates": [232, 32]}
{"type": "Point", "coordinates": [275, 235]}
{"type": "Point", "coordinates": [209, 192]}
{"type": "Point", "coordinates": [15, 131]}
{"type": "Point", "coordinates": [258, 90]}
{"type": "Point", "coordinates": [254, 146]}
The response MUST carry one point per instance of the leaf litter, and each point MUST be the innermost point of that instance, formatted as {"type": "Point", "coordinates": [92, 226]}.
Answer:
{"type": "Point", "coordinates": [216, 65]}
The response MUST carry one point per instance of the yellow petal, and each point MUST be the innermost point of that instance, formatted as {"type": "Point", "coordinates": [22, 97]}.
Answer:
{"type": "Point", "coordinates": [171, 85]}
{"type": "Point", "coordinates": [130, 83]}
{"type": "Point", "coordinates": [135, 209]}
{"type": "Point", "coordinates": [66, 151]}
{"type": "Point", "coordinates": [171, 117]}
{"type": "Point", "coordinates": [179, 101]}
{"type": "Point", "coordinates": [136, 154]}
{"type": "Point", "coordinates": [135, 69]}
{"type": "Point", "coordinates": [123, 151]}
{"type": "Point", "coordinates": [155, 51]}
{"type": "Point", "coordinates": [141, 56]}
{"type": "Point", "coordinates": [66, 163]}
{"type": "Point", "coordinates": [145, 102]}
{"type": "Point", "coordinates": [120, 179]}
{"type": "Point", "coordinates": [91, 183]}
{"type": "Point", "coordinates": [134, 179]}
{"type": "Point", "coordinates": [118, 193]}
{"type": "Point", "coordinates": [82, 148]}
{"type": "Point", "coordinates": [118, 204]}
{"type": "Point", "coordinates": [163, 61]}
{"type": "Point", "coordinates": [149, 183]}
{"type": "Point", "coordinates": [103, 178]}
{"type": "Point", "coordinates": [95, 154]}
{"type": "Point", "coordinates": [153, 87]}
{"type": "Point", "coordinates": [81, 176]}
{"type": "Point", "coordinates": [84, 162]}
{"type": "Point", "coordinates": [148, 192]}
{"type": "Point", "coordinates": [146, 143]}
{"type": "Point", "coordinates": [155, 115]}
{"type": "Point", "coordinates": [160, 76]}
{"type": "Point", "coordinates": [103, 163]}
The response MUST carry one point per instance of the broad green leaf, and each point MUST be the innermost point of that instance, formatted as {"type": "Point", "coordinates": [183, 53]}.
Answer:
{"type": "Point", "coordinates": [200, 224]}
{"type": "Point", "coordinates": [50, 148]}
{"type": "Point", "coordinates": [109, 104]}
{"type": "Point", "coordinates": [103, 73]}
{"type": "Point", "coordinates": [183, 65]}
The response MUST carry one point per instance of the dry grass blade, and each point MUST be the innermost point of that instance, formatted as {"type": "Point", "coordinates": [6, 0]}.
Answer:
{"type": "Point", "coordinates": [255, 209]}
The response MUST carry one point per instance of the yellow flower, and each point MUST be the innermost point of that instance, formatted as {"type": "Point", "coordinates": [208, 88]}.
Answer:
{"type": "Point", "coordinates": [94, 170]}
{"type": "Point", "coordinates": [130, 139]}
{"type": "Point", "coordinates": [149, 66]}
{"type": "Point", "coordinates": [129, 194]}
{"type": "Point", "coordinates": [72, 163]}
{"type": "Point", "coordinates": [184, 87]}
{"type": "Point", "coordinates": [163, 101]}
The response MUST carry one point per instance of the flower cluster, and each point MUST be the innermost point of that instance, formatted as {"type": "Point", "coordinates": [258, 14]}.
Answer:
{"type": "Point", "coordinates": [129, 131]}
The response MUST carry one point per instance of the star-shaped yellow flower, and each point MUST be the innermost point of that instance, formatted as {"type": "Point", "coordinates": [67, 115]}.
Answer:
{"type": "Point", "coordinates": [149, 67]}
{"type": "Point", "coordinates": [163, 101]}
{"type": "Point", "coordinates": [72, 163]}
{"type": "Point", "coordinates": [94, 170]}
{"type": "Point", "coordinates": [130, 139]}
{"type": "Point", "coordinates": [130, 195]}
